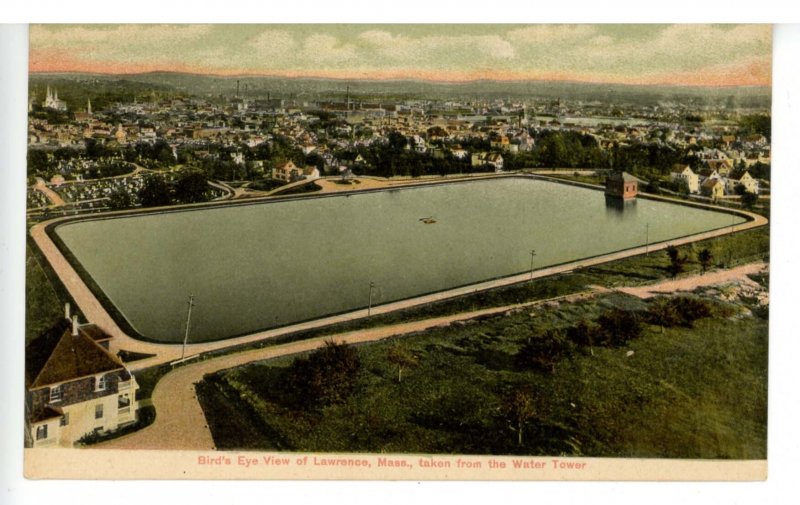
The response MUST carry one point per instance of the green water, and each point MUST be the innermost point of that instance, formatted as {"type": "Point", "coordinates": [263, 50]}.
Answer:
{"type": "Point", "coordinates": [257, 266]}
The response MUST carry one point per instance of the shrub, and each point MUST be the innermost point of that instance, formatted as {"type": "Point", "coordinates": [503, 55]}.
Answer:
{"type": "Point", "coordinates": [618, 327]}
{"type": "Point", "coordinates": [326, 376]}
{"type": "Point", "coordinates": [543, 352]}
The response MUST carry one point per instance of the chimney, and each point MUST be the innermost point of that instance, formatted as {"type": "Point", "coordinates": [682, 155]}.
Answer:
{"type": "Point", "coordinates": [75, 325]}
{"type": "Point", "coordinates": [66, 311]}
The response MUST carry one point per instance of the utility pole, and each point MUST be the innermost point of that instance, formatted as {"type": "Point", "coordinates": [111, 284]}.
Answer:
{"type": "Point", "coordinates": [188, 322]}
{"type": "Point", "coordinates": [533, 253]}
{"type": "Point", "coordinates": [369, 307]}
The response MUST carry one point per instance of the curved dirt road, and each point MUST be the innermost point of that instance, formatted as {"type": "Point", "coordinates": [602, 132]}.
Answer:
{"type": "Point", "coordinates": [180, 422]}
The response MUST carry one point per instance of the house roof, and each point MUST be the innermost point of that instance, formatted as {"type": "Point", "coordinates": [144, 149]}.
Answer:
{"type": "Point", "coordinates": [679, 169]}
{"type": "Point", "coordinates": [710, 183]}
{"type": "Point", "coordinates": [737, 176]}
{"type": "Point", "coordinates": [55, 358]}
{"type": "Point", "coordinates": [626, 177]}
{"type": "Point", "coordinates": [44, 413]}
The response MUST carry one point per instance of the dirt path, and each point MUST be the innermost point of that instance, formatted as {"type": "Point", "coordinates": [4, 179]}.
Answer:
{"type": "Point", "coordinates": [180, 422]}
{"type": "Point", "coordinates": [41, 187]}
{"type": "Point", "coordinates": [689, 284]}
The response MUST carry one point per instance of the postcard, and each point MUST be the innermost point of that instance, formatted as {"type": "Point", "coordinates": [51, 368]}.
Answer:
{"type": "Point", "coordinates": [398, 252]}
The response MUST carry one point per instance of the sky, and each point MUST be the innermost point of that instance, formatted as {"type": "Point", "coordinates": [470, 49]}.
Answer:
{"type": "Point", "coordinates": [688, 54]}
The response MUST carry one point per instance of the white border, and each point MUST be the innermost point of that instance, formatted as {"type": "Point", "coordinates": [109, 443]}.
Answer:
{"type": "Point", "coordinates": [784, 445]}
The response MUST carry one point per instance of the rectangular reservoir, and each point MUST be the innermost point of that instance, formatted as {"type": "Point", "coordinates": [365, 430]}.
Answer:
{"type": "Point", "coordinates": [260, 265]}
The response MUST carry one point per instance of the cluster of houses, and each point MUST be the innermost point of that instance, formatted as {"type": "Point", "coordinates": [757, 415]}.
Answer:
{"type": "Point", "coordinates": [715, 183]}
{"type": "Point", "coordinates": [438, 128]}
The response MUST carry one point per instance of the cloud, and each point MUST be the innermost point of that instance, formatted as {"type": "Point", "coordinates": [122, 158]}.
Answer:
{"type": "Point", "coordinates": [608, 53]}
{"type": "Point", "coordinates": [273, 43]}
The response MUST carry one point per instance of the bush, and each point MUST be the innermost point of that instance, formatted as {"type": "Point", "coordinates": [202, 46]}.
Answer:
{"type": "Point", "coordinates": [326, 376]}
{"type": "Point", "coordinates": [678, 311]}
{"type": "Point", "coordinates": [618, 327]}
{"type": "Point", "coordinates": [543, 352]}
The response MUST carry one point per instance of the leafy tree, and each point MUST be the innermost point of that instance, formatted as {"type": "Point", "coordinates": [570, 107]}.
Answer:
{"type": "Point", "coordinates": [37, 162]}
{"type": "Point", "coordinates": [327, 376]}
{"type": "Point", "coordinates": [401, 358]}
{"type": "Point", "coordinates": [682, 187]}
{"type": "Point", "coordinates": [120, 199]}
{"type": "Point", "coordinates": [676, 261]}
{"type": "Point", "coordinates": [749, 199]}
{"type": "Point", "coordinates": [705, 258]}
{"type": "Point", "coordinates": [518, 410]}
{"type": "Point", "coordinates": [192, 188]}
{"type": "Point", "coordinates": [155, 192]}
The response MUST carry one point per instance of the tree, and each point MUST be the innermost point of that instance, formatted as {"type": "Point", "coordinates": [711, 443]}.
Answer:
{"type": "Point", "coordinates": [749, 199]}
{"type": "Point", "coordinates": [705, 258]}
{"type": "Point", "coordinates": [155, 192]}
{"type": "Point", "coordinates": [401, 358]}
{"type": "Point", "coordinates": [120, 199]}
{"type": "Point", "coordinates": [38, 162]}
{"type": "Point", "coordinates": [518, 409]}
{"type": "Point", "coordinates": [192, 188]}
{"type": "Point", "coordinates": [676, 261]}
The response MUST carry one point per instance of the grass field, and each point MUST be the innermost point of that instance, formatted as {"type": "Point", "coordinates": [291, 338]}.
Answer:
{"type": "Point", "coordinates": [673, 393]}
{"type": "Point", "coordinates": [43, 306]}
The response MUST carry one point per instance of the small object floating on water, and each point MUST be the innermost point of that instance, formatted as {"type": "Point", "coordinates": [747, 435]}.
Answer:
{"type": "Point", "coordinates": [427, 220]}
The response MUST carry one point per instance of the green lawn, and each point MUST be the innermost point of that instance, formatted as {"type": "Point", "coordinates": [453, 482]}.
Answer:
{"type": "Point", "coordinates": [683, 393]}
{"type": "Point", "coordinates": [43, 305]}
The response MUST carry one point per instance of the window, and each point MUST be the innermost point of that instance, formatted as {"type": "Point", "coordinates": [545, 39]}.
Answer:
{"type": "Point", "coordinates": [98, 411]}
{"type": "Point", "coordinates": [124, 401]}
{"type": "Point", "coordinates": [64, 419]}
{"type": "Point", "coordinates": [56, 393]}
{"type": "Point", "coordinates": [41, 432]}
{"type": "Point", "coordinates": [100, 383]}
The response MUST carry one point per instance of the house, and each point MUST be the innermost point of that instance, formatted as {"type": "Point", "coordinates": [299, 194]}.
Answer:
{"type": "Point", "coordinates": [310, 172]}
{"type": "Point", "coordinates": [723, 166]}
{"type": "Point", "coordinates": [685, 173]}
{"type": "Point", "coordinates": [484, 158]}
{"type": "Point", "coordinates": [741, 177]}
{"type": "Point", "coordinates": [458, 151]}
{"type": "Point", "coordinates": [713, 188]}
{"type": "Point", "coordinates": [287, 172]}
{"type": "Point", "coordinates": [622, 185]}
{"type": "Point", "coordinates": [75, 386]}
{"type": "Point", "coordinates": [708, 173]}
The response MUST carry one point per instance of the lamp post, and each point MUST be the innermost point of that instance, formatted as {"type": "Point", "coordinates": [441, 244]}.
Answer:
{"type": "Point", "coordinates": [369, 307]}
{"type": "Point", "coordinates": [533, 254]}
{"type": "Point", "coordinates": [188, 322]}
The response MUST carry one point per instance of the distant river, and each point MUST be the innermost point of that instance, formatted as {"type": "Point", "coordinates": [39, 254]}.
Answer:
{"type": "Point", "coordinates": [262, 265]}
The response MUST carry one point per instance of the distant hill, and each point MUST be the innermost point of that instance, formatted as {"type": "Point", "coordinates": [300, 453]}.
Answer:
{"type": "Point", "coordinates": [314, 89]}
